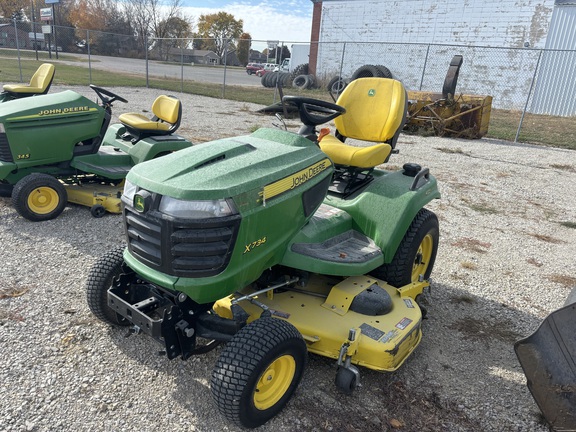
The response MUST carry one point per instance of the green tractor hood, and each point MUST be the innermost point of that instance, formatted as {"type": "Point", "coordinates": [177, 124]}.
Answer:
{"type": "Point", "coordinates": [44, 130]}
{"type": "Point", "coordinates": [232, 167]}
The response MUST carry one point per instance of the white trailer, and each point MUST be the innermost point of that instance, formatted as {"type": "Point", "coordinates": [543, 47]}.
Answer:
{"type": "Point", "coordinates": [299, 54]}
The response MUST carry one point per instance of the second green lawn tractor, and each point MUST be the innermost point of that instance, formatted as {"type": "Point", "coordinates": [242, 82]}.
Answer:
{"type": "Point", "coordinates": [60, 147]}
{"type": "Point", "coordinates": [278, 244]}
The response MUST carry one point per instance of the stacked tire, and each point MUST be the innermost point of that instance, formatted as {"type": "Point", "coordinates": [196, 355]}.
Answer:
{"type": "Point", "coordinates": [337, 85]}
{"type": "Point", "coordinates": [272, 79]}
{"type": "Point", "coordinates": [370, 71]}
{"type": "Point", "coordinates": [304, 82]}
{"type": "Point", "coordinates": [302, 79]}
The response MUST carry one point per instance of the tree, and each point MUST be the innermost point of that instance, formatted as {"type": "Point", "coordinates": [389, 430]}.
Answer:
{"type": "Point", "coordinates": [150, 19]}
{"type": "Point", "coordinates": [13, 9]}
{"type": "Point", "coordinates": [110, 30]}
{"type": "Point", "coordinates": [244, 48]}
{"type": "Point", "coordinates": [220, 28]}
{"type": "Point", "coordinates": [173, 32]}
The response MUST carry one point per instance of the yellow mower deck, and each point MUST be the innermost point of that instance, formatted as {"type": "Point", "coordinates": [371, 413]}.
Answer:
{"type": "Point", "coordinates": [107, 196]}
{"type": "Point", "coordinates": [322, 315]}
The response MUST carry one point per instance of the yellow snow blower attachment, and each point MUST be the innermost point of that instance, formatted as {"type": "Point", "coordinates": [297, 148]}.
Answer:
{"type": "Point", "coordinates": [448, 114]}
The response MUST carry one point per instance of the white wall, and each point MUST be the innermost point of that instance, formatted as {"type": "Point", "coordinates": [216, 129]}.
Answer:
{"type": "Point", "coordinates": [502, 23]}
{"type": "Point", "coordinates": [397, 34]}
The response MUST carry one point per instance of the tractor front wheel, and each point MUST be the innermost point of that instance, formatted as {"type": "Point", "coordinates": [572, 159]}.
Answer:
{"type": "Point", "coordinates": [100, 279]}
{"type": "Point", "coordinates": [258, 371]}
{"type": "Point", "coordinates": [39, 197]}
{"type": "Point", "coordinates": [416, 254]}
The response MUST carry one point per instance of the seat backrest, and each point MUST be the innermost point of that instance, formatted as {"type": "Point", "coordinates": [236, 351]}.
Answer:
{"type": "Point", "coordinates": [375, 109]}
{"type": "Point", "coordinates": [42, 78]}
{"type": "Point", "coordinates": [167, 108]}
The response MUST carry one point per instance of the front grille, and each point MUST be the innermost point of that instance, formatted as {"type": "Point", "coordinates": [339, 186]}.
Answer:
{"type": "Point", "coordinates": [5, 153]}
{"type": "Point", "coordinates": [196, 248]}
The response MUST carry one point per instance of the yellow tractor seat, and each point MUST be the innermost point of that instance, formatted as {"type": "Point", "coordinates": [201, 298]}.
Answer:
{"type": "Point", "coordinates": [376, 110]}
{"type": "Point", "coordinates": [360, 157]}
{"type": "Point", "coordinates": [39, 83]}
{"type": "Point", "coordinates": [167, 111]}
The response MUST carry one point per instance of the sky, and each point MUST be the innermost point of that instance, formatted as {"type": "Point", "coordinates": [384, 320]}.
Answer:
{"type": "Point", "coordinates": [288, 20]}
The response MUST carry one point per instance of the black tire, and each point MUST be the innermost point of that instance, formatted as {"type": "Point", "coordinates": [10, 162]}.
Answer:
{"type": "Point", "coordinates": [263, 80]}
{"type": "Point", "coordinates": [300, 81]}
{"type": "Point", "coordinates": [272, 79]}
{"type": "Point", "coordinates": [336, 85]}
{"type": "Point", "coordinates": [346, 380]}
{"type": "Point", "coordinates": [286, 81]}
{"type": "Point", "coordinates": [97, 210]}
{"type": "Point", "coordinates": [416, 253]}
{"type": "Point", "coordinates": [39, 197]}
{"type": "Point", "coordinates": [301, 69]}
{"type": "Point", "coordinates": [100, 279]}
{"type": "Point", "coordinates": [384, 71]}
{"type": "Point", "coordinates": [366, 71]}
{"type": "Point", "coordinates": [267, 346]}
{"type": "Point", "coordinates": [303, 82]}
{"type": "Point", "coordinates": [312, 80]}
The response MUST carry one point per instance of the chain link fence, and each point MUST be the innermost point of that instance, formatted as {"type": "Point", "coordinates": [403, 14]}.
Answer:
{"type": "Point", "coordinates": [521, 81]}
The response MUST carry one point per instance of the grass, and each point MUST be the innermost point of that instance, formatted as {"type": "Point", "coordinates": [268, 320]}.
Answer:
{"type": "Point", "coordinates": [540, 129]}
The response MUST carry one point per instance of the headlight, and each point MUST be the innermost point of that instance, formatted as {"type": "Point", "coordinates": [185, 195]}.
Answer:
{"type": "Point", "coordinates": [196, 209]}
{"type": "Point", "coordinates": [129, 190]}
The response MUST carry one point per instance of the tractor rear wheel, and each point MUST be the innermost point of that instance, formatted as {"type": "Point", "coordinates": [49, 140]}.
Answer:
{"type": "Point", "coordinates": [416, 254]}
{"type": "Point", "coordinates": [100, 279]}
{"type": "Point", "coordinates": [258, 371]}
{"type": "Point", "coordinates": [39, 197]}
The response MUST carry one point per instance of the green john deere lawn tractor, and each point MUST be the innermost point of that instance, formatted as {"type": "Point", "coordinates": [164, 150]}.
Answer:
{"type": "Point", "coordinates": [278, 244]}
{"type": "Point", "coordinates": [60, 147]}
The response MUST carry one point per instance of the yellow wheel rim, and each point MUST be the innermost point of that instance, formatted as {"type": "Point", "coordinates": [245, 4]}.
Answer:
{"type": "Point", "coordinates": [423, 256]}
{"type": "Point", "coordinates": [43, 200]}
{"type": "Point", "coordinates": [274, 382]}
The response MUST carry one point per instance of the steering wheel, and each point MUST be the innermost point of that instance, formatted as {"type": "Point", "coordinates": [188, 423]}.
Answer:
{"type": "Point", "coordinates": [308, 107]}
{"type": "Point", "coordinates": [102, 93]}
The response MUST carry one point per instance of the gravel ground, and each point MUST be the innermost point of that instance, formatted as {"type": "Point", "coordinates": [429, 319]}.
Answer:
{"type": "Point", "coordinates": [502, 265]}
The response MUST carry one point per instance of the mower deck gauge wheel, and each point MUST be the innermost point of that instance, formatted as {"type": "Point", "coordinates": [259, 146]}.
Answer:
{"type": "Point", "coordinates": [347, 379]}
{"type": "Point", "coordinates": [97, 210]}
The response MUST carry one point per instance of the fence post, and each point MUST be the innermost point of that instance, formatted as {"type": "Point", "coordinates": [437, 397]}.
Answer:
{"type": "Point", "coordinates": [181, 69]}
{"type": "Point", "coordinates": [17, 48]}
{"type": "Point", "coordinates": [225, 58]}
{"type": "Point", "coordinates": [342, 60]}
{"type": "Point", "coordinates": [528, 98]}
{"type": "Point", "coordinates": [146, 56]}
{"type": "Point", "coordinates": [424, 67]}
{"type": "Point", "coordinates": [89, 56]}
{"type": "Point", "coordinates": [34, 30]}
